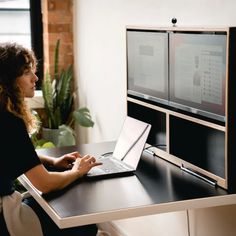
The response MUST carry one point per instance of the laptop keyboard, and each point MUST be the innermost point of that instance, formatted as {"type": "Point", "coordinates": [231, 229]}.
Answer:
{"type": "Point", "coordinates": [110, 165]}
{"type": "Point", "coordinates": [113, 165]}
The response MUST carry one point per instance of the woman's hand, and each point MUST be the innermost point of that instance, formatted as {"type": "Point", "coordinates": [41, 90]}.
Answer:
{"type": "Point", "coordinates": [84, 164]}
{"type": "Point", "coordinates": [55, 180]}
{"type": "Point", "coordinates": [66, 161]}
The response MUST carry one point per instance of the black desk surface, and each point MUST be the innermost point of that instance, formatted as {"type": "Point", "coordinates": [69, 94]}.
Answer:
{"type": "Point", "coordinates": [157, 186]}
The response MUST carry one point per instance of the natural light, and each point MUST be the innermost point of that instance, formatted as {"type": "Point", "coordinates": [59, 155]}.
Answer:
{"type": "Point", "coordinates": [15, 22]}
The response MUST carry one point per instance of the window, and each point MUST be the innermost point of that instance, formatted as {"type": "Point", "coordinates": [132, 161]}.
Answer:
{"type": "Point", "coordinates": [15, 22]}
{"type": "Point", "coordinates": [21, 22]}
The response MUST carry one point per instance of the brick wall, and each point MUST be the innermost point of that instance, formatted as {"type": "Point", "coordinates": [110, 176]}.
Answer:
{"type": "Point", "coordinates": [57, 24]}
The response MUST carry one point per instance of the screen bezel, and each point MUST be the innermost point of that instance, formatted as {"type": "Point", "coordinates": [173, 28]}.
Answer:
{"type": "Point", "coordinates": [166, 98]}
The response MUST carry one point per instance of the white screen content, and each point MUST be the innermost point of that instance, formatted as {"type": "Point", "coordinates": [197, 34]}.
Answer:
{"type": "Point", "coordinates": [198, 72]}
{"type": "Point", "coordinates": [147, 60]}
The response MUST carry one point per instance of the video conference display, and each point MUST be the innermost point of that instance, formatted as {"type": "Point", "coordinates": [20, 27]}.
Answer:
{"type": "Point", "coordinates": [198, 73]}
{"type": "Point", "coordinates": [147, 58]}
{"type": "Point", "coordinates": [186, 71]}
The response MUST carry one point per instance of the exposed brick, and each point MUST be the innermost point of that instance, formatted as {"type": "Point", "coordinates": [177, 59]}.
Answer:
{"type": "Point", "coordinates": [65, 57]}
{"type": "Point", "coordinates": [59, 28]}
{"type": "Point", "coordinates": [68, 60]}
{"type": "Point", "coordinates": [59, 5]}
{"type": "Point", "coordinates": [60, 17]}
{"type": "Point", "coordinates": [58, 24]}
{"type": "Point", "coordinates": [67, 48]}
{"type": "Point", "coordinates": [64, 49]}
{"type": "Point", "coordinates": [51, 5]}
{"type": "Point", "coordinates": [44, 6]}
{"type": "Point", "coordinates": [64, 37]}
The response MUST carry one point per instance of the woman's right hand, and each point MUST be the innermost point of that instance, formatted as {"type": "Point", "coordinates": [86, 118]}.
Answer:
{"type": "Point", "coordinates": [85, 164]}
{"type": "Point", "coordinates": [46, 181]}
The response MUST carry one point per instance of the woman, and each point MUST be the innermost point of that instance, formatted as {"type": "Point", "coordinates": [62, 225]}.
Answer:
{"type": "Point", "coordinates": [18, 156]}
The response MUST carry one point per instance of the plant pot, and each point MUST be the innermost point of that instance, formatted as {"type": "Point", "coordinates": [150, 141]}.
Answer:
{"type": "Point", "coordinates": [51, 135]}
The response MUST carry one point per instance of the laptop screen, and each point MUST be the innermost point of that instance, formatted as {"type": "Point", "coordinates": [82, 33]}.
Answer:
{"type": "Point", "coordinates": [131, 141]}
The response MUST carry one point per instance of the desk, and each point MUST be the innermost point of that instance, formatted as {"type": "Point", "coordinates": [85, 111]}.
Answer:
{"type": "Point", "coordinates": [157, 187]}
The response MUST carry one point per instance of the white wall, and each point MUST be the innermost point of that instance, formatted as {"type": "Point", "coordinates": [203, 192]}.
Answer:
{"type": "Point", "coordinates": [213, 221]}
{"type": "Point", "coordinates": [100, 58]}
{"type": "Point", "coordinates": [100, 49]}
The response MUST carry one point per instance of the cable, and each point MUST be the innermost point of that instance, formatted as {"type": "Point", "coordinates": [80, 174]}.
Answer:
{"type": "Point", "coordinates": [188, 223]}
{"type": "Point", "coordinates": [106, 154]}
{"type": "Point", "coordinates": [156, 146]}
{"type": "Point", "coordinates": [153, 146]}
{"type": "Point", "coordinates": [109, 153]}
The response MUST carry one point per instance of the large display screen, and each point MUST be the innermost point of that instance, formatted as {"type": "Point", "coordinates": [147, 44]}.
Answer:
{"type": "Point", "coordinates": [197, 73]}
{"type": "Point", "coordinates": [147, 65]}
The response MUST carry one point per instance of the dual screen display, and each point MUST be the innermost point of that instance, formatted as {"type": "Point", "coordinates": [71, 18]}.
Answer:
{"type": "Point", "coordinates": [183, 70]}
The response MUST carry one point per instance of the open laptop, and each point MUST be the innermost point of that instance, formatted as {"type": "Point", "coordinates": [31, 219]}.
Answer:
{"type": "Point", "coordinates": [128, 150]}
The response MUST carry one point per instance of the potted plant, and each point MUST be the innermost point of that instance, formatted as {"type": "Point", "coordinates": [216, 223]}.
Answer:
{"type": "Point", "coordinates": [59, 103]}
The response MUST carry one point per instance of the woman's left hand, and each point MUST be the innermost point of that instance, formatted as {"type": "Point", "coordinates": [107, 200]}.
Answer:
{"type": "Point", "coordinates": [66, 161]}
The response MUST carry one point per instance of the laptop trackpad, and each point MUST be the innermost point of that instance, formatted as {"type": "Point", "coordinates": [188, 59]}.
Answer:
{"type": "Point", "coordinates": [96, 171]}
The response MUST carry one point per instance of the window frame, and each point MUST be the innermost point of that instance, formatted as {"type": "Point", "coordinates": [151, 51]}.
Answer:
{"type": "Point", "coordinates": [36, 27]}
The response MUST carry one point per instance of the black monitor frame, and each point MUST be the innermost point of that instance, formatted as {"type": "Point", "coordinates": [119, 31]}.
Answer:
{"type": "Point", "coordinates": [136, 87]}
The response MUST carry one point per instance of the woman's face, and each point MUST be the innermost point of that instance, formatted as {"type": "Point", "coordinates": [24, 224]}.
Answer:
{"type": "Point", "coordinates": [27, 83]}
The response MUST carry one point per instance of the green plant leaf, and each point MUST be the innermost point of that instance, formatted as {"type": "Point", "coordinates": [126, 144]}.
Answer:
{"type": "Point", "coordinates": [65, 95]}
{"type": "Point", "coordinates": [59, 97]}
{"type": "Point", "coordinates": [56, 59]}
{"type": "Point", "coordinates": [83, 117]}
{"type": "Point", "coordinates": [66, 136]}
{"type": "Point", "coordinates": [48, 145]}
{"type": "Point", "coordinates": [47, 89]}
{"type": "Point", "coordinates": [57, 117]}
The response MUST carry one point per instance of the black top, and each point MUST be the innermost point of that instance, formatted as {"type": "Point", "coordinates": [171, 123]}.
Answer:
{"type": "Point", "coordinates": [17, 153]}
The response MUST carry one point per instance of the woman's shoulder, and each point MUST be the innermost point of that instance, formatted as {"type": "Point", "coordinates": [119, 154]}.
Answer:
{"type": "Point", "coordinates": [7, 114]}
{"type": "Point", "coordinates": [8, 117]}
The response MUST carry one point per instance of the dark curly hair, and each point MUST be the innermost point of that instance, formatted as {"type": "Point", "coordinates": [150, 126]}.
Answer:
{"type": "Point", "coordinates": [14, 61]}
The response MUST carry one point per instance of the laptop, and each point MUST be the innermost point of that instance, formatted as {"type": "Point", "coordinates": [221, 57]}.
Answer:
{"type": "Point", "coordinates": [127, 153]}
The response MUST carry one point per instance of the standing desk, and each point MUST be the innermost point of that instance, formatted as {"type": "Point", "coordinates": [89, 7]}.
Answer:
{"type": "Point", "coordinates": [157, 187]}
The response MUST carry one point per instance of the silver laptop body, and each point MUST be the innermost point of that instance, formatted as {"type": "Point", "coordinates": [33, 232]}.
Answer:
{"type": "Point", "coordinates": [127, 153]}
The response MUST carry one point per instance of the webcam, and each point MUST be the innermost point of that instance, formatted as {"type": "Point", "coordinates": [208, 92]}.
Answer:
{"type": "Point", "coordinates": [174, 21]}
